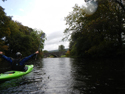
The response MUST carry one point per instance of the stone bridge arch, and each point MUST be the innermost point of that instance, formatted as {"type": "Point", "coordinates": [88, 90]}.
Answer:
{"type": "Point", "coordinates": [55, 54]}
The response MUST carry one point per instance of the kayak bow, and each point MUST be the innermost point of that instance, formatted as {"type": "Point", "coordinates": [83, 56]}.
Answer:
{"type": "Point", "coordinates": [14, 74]}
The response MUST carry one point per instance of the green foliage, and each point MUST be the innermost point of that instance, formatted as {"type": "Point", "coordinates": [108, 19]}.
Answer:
{"type": "Point", "coordinates": [4, 28]}
{"type": "Point", "coordinates": [18, 37]}
{"type": "Point", "coordinates": [63, 56]}
{"type": "Point", "coordinates": [97, 35]}
{"type": "Point", "coordinates": [67, 53]}
{"type": "Point", "coordinates": [61, 48]}
{"type": "Point", "coordinates": [45, 51]}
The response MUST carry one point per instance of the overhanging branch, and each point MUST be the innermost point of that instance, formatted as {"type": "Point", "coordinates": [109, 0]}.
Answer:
{"type": "Point", "coordinates": [121, 4]}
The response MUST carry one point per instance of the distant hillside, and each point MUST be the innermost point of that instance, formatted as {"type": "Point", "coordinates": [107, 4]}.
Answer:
{"type": "Point", "coordinates": [57, 50]}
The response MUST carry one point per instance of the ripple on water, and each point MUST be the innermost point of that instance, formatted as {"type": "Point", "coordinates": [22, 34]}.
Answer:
{"type": "Point", "coordinates": [66, 76]}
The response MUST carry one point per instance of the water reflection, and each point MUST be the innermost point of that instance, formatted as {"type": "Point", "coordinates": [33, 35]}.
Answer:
{"type": "Point", "coordinates": [59, 75]}
{"type": "Point", "coordinates": [70, 76]}
{"type": "Point", "coordinates": [100, 76]}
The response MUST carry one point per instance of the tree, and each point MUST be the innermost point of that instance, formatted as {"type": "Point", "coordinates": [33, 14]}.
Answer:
{"type": "Point", "coordinates": [61, 48]}
{"type": "Point", "coordinates": [16, 37]}
{"type": "Point", "coordinates": [68, 53]}
{"type": "Point", "coordinates": [119, 2]}
{"type": "Point", "coordinates": [4, 28]}
{"type": "Point", "coordinates": [98, 35]}
{"type": "Point", "coordinates": [45, 51]}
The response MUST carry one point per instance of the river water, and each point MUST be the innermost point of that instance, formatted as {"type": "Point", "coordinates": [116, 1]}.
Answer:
{"type": "Point", "coordinates": [69, 76]}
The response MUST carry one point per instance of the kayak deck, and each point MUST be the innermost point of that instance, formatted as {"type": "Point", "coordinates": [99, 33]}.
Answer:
{"type": "Point", "coordinates": [14, 74]}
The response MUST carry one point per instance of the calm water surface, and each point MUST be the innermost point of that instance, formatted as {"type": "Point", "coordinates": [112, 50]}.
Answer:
{"type": "Point", "coordinates": [70, 76]}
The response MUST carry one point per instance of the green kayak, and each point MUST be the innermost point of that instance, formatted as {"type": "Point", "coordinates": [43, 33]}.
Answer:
{"type": "Point", "coordinates": [14, 74]}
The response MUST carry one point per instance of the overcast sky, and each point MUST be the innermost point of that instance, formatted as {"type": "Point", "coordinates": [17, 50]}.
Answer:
{"type": "Point", "coordinates": [46, 15]}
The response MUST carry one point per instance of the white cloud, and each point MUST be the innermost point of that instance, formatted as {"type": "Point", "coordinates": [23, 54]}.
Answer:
{"type": "Point", "coordinates": [21, 9]}
{"type": "Point", "coordinates": [54, 40]}
{"type": "Point", "coordinates": [54, 45]}
{"type": "Point", "coordinates": [48, 15]}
